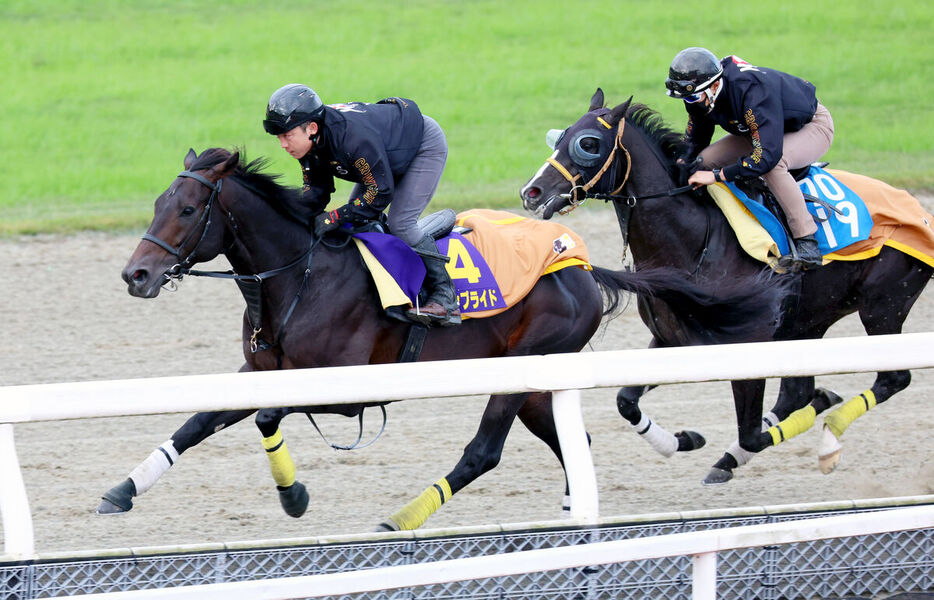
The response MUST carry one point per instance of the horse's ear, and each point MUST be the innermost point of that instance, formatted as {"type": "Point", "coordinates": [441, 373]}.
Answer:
{"type": "Point", "coordinates": [596, 101]}
{"type": "Point", "coordinates": [226, 168]}
{"type": "Point", "coordinates": [190, 158]}
{"type": "Point", "coordinates": [619, 112]}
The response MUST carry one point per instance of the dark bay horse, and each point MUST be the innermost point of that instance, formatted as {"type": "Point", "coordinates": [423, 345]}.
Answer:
{"type": "Point", "coordinates": [319, 308]}
{"type": "Point", "coordinates": [627, 155]}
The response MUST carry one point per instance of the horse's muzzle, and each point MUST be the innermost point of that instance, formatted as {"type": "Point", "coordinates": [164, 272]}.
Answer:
{"type": "Point", "coordinates": [141, 283]}
{"type": "Point", "coordinates": [542, 210]}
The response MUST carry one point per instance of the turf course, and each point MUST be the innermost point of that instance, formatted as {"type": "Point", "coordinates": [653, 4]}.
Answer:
{"type": "Point", "coordinates": [101, 99]}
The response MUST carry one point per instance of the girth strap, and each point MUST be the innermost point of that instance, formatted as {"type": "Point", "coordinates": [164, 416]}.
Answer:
{"type": "Point", "coordinates": [414, 342]}
{"type": "Point", "coordinates": [252, 290]}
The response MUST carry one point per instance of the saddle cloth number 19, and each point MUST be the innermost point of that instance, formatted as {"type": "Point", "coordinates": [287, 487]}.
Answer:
{"type": "Point", "coordinates": [837, 229]}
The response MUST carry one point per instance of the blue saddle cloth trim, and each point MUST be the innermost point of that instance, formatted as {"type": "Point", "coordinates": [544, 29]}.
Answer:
{"type": "Point", "coordinates": [834, 230]}
{"type": "Point", "coordinates": [769, 222]}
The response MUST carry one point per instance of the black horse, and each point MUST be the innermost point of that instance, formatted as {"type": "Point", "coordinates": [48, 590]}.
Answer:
{"type": "Point", "coordinates": [319, 307]}
{"type": "Point", "coordinates": [627, 155]}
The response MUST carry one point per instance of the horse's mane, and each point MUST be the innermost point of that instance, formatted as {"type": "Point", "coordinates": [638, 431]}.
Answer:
{"type": "Point", "coordinates": [252, 174]}
{"type": "Point", "coordinates": [671, 143]}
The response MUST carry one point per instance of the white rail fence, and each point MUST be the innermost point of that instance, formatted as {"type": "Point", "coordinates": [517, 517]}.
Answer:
{"type": "Point", "coordinates": [565, 374]}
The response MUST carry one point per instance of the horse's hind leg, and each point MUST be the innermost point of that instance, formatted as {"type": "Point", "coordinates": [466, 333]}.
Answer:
{"type": "Point", "coordinates": [480, 455]}
{"type": "Point", "coordinates": [537, 416]}
{"type": "Point", "coordinates": [292, 494]}
{"type": "Point", "coordinates": [882, 312]}
{"type": "Point", "coordinates": [119, 498]}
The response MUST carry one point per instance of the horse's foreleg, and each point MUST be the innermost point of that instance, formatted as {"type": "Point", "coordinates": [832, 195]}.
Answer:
{"type": "Point", "coordinates": [887, 384]}
{"type": "Point", "coordinates": [480, 455]}
{"type": "Point", "coordinates": [119, 498]}
{"type": "Point", "coordinates": [292, 494]}
{"type": "Point", "coordinates": [664, 442]}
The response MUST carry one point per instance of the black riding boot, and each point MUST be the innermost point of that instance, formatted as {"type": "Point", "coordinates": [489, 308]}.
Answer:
{"type": "Point", "coordinates": [805, 255]}
{"type": "Point", "coordinates": [442, 307]}
{"type": "Point", "coordinates": [809, 257]}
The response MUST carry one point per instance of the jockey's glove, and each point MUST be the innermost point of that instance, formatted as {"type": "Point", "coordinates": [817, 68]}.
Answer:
{"type": "Point", "coordinates": [332, 219]}
{"type": "Point", "coordinates": [688, 165]}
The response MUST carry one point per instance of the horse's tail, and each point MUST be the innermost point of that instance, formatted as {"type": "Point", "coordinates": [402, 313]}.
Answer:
{"type": "Point", "coordinates": [724, 311]}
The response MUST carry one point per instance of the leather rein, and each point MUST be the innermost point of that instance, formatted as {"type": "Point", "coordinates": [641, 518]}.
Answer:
{"type": "Point", "coordinates": [250, 285]}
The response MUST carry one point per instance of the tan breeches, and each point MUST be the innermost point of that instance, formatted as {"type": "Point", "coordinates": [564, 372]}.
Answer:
{"type": "Point", "coordinates": [799, 149]}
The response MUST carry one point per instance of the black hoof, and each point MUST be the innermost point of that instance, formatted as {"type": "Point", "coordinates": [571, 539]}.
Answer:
{"type": "Point", "coordinates": [822, 399]}
{"type": "Point", "coordinates": [294, 499]}
{"type": "Point", "coordinates": [690, 440]}
{"type": "Point", "coordinates": [718, 476]}
{"type": "Point", "coordinates": [118, 499]}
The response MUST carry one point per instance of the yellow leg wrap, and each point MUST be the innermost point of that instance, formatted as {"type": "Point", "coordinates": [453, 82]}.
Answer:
{"type": "Point", "coordinates": [280, 462]}
{"type": "Point", "coordinates": [797, 422]}
{"type": "Point", "coordinates": [838, 420]}
{"type": "Point", "coordinates": [416, 512]}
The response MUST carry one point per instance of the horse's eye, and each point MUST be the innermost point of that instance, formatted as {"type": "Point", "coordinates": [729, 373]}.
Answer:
{"type": "Point", "coordinates": [585, 148]}
{"type": "Point", "coordinates": [188, 211]}
{"type": "Point", "coordinates": [590, 145]}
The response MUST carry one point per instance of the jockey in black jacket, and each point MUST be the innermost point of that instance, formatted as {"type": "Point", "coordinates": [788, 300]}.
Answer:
{"type": "Point", "coordinates": [393, 153]}
{"type": "Point", "coordinates": [774, 122]}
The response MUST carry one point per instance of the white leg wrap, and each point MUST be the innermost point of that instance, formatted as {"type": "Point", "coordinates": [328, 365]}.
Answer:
{"type": "Point", "coordinates": [742, 456]}
{"type": "Point", "coordinates": [665, 443]}
{"type": "Point", "coordinates": [769, 419]}
{"type": "Point", "coordinates": [150, 470]}
{"type": "Point", "coordinates": [566, 507]}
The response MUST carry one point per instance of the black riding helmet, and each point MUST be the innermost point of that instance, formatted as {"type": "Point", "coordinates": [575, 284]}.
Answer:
{"type": "Point", "coordinates": [290, 106]}
{"type": "Point", "coordinates": [692, 70]}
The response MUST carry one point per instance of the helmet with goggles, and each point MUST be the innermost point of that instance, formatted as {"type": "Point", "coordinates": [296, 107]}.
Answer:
{"type": "Point", "coordinates": [692, 71]}
{"type": "Point", "coordinates": [290, 106]}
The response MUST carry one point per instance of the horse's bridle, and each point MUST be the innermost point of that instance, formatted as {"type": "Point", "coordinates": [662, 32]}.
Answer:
{"type": "Point", "coordinates": [573, 200]}
{"type": "Point", "coordinates": [249, 284]}
{"type": "Point", "coordinates": [623, 204]}
{"type": "Point", "coordinates": [176, 271]}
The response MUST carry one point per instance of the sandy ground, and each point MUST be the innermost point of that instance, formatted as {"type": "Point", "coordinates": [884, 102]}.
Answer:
{"type": "Point", "coordinates": [68, 318]}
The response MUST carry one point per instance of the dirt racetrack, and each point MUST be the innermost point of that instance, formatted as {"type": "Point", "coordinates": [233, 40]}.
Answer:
{"type": "Point", "coordinates": [69, 318]}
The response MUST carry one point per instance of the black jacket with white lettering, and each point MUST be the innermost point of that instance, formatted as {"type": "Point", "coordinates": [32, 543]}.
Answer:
{"type": "Point", "coordinates": [759, 103]}
{"type": "Point", "coordinates": [369, 144]}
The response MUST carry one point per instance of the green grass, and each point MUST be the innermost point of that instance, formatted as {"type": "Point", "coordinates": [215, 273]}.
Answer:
{"type": "Point", "coordinates": [101, 99]}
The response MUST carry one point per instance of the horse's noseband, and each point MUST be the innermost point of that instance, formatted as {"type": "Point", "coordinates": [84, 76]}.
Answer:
{"type": "Point", "coordinates": [175, 271]}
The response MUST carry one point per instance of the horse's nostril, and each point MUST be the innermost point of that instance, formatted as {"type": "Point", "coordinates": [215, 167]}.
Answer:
{"type": "Point", "coordinates": [532, 193]}
{"type": "Point", "coordinates": [140, 275]}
